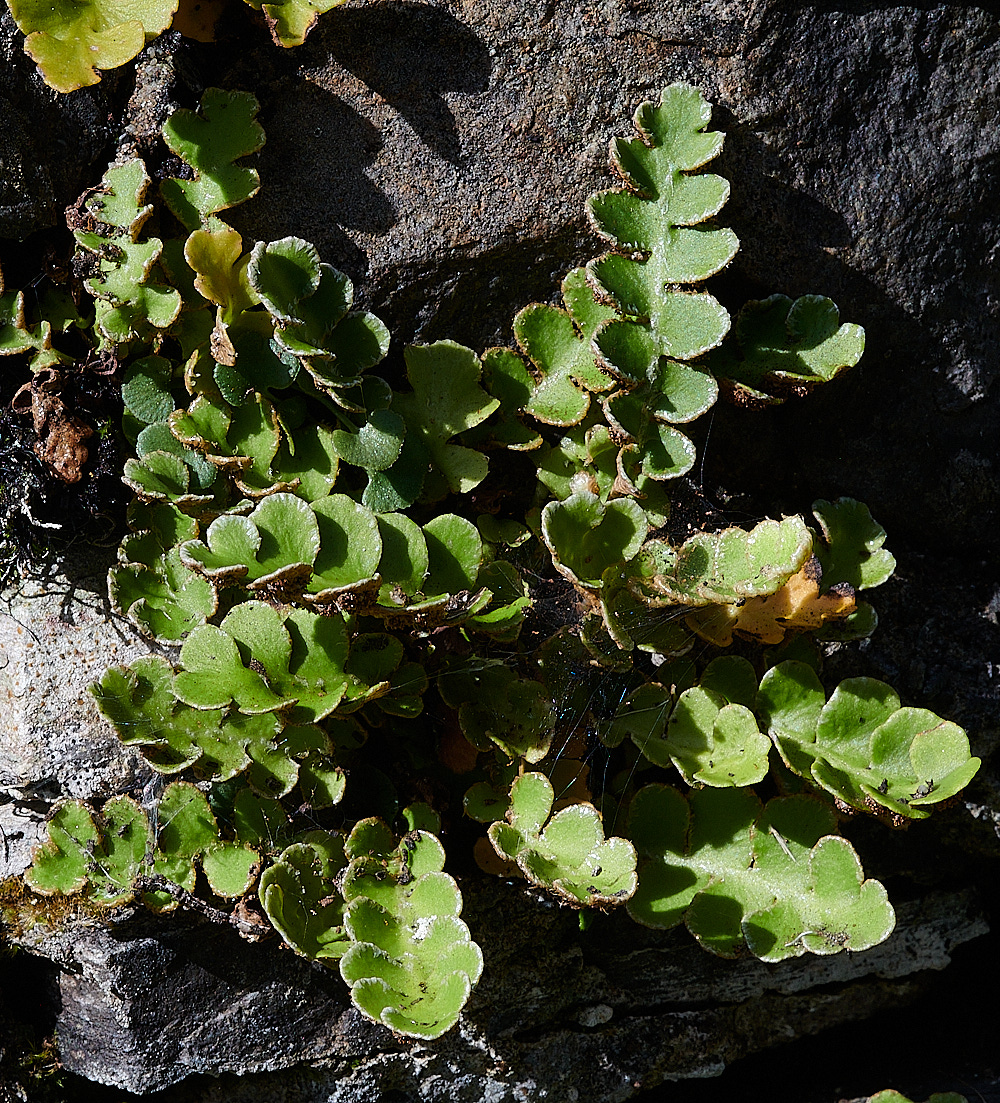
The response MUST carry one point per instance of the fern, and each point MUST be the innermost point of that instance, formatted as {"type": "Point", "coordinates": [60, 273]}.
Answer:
{"type": "Point", "coordinates": [334, 546]}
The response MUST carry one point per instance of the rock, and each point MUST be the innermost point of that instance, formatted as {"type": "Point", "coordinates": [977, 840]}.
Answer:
{"type": "Point", "coordinates": [147, 1002]}
{"type": "Point", "coordinates": [870, 188]}
{"type": "Point", "coordinates": [443, 160]}
{"type": "Point", "coordinates": [51, 146]}
{"type": "Point", "coordinates": [559, 1014]}
{"type": "Point", "coordinates": [57, 636]}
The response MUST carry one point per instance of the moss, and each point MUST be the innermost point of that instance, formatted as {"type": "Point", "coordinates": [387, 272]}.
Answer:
{"type": "Point", "coordinates": [24, 912]}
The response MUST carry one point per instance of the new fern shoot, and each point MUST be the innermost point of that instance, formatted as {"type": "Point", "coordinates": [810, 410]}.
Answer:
{"type": "Point", "coordinates": [342, 628]}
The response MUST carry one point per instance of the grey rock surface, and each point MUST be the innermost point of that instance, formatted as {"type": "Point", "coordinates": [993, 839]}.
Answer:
{"type": "Point", "coordinates": [558, 1015]}
{"type": "Point", "coordinates": [57, 636]}
{"type": "Point", "coordinates": [441, 155]}
{"type": "Point", "coordinates": [147, 1002]}
{"type": "Point", "coordinates": [50, 145]}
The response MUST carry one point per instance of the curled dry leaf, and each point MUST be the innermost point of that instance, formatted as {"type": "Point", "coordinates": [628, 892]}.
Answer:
{"type": "Point", "coordinates": [61, 435]}
{"type": "Point", "coordinates": [799, 606]}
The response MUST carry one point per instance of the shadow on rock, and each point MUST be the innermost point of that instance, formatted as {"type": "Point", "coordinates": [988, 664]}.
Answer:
{"type": "Point", "coordinates": [411, 54]}
{"type": "Point", "coordinates": [884, 425]}
{"type": "Point", "coordinates": [429, 302]}
{"type": "Point", "coordinates": [50, 145]}
{"type": "Point", "coordinates": [315, 183]}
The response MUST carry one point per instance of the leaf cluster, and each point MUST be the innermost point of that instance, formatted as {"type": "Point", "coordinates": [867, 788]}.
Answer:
{"type": "Point", "coordinates": [328, 541]}
{"type": "Point", "coordinates": [73, 42]}
{"type": "Point", "coordinates": [384, 909]}
{"type": "Point", "coordinates": [105, 853]}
